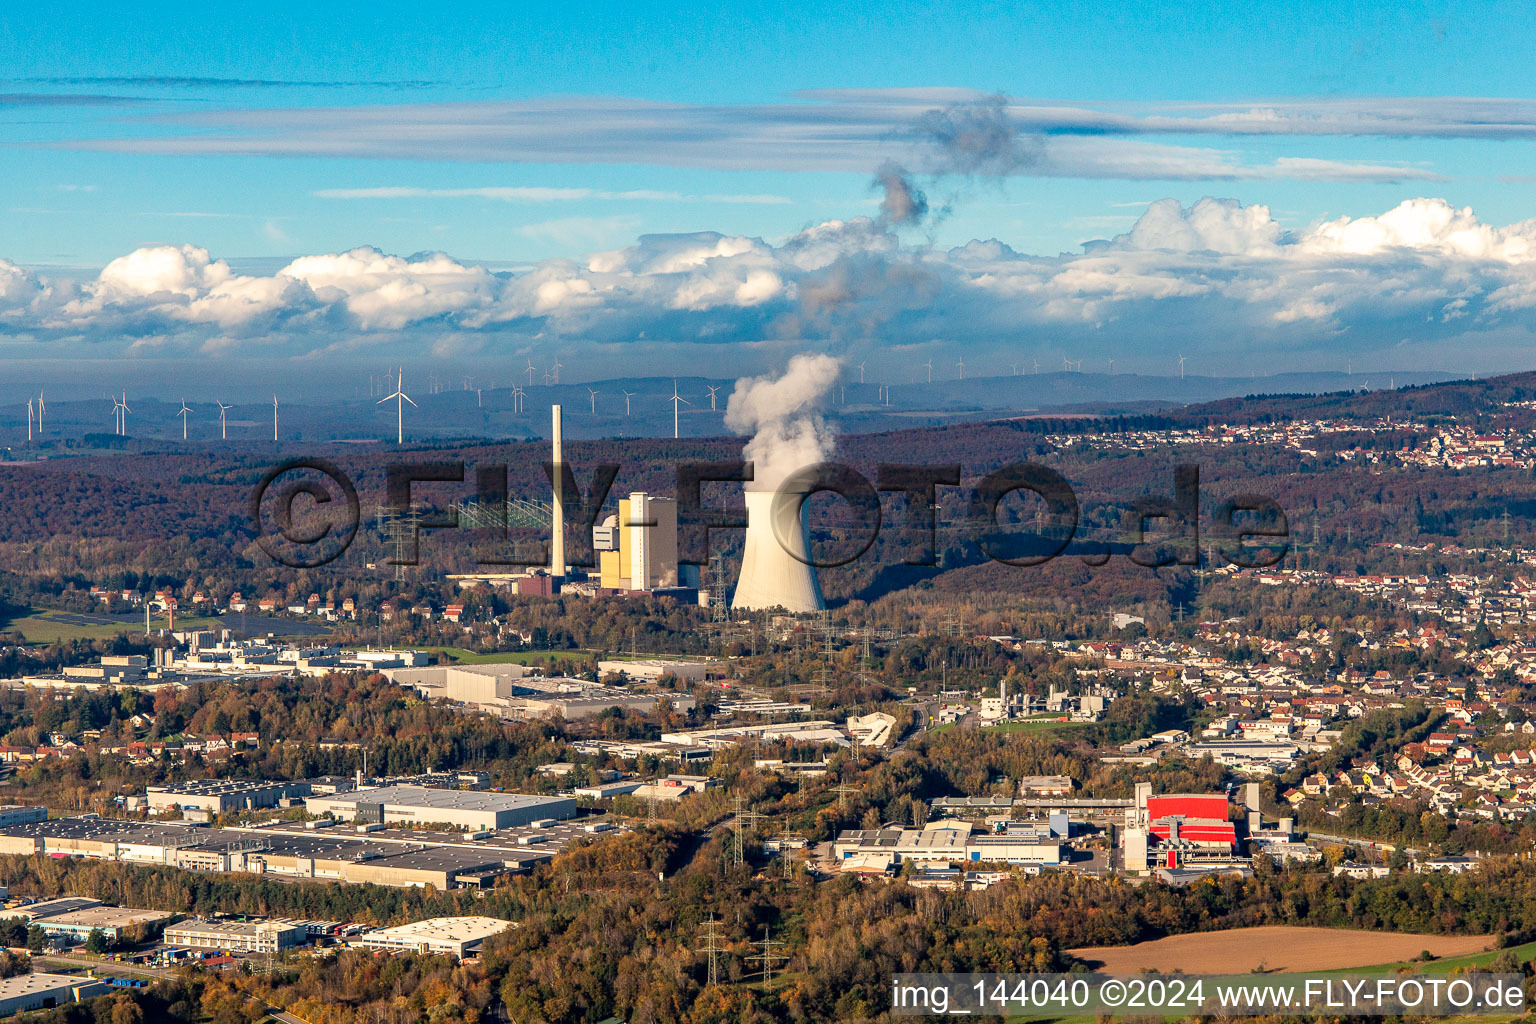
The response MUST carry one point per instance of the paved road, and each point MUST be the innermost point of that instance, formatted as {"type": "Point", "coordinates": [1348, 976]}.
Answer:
{"type": "Point", "coordinates": [104, 966]}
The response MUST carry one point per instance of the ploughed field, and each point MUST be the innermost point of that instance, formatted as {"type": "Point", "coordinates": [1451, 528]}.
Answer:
{"type": "Point", "coordinates": [1275, 948]}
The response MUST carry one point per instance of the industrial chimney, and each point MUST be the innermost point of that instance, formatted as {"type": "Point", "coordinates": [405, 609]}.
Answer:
{"type": "Point", "coordinates": [557, 520]}
{"type": "Point", "coordinates": [774, 573]}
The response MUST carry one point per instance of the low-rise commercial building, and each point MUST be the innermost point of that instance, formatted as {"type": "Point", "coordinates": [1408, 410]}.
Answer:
{"type": "Point", "coordinates": [26, 992]}
{"type": "Point", "coordinates": [452, 936]}
{"type": "Point", "coordinates": [114, 923]}
{"type": "Point", "coordinates": [237, 936]}
{"type": "Point", "coordinates": [890, 847]}
{"type": "Point", "coordinates": [19, 814]}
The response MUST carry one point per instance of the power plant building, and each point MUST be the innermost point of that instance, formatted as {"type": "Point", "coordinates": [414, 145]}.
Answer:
{"type": "Point", "coordinates": [637, 548]}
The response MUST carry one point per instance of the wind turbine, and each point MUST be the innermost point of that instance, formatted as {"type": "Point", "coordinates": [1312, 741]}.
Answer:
{"type": "Point", "coordinates": [676, 398]}
{"type": "Point", "coordinates": [517, 398]}
{"type": "Point", "coordinates": [1013, 369]}
{"type": "Point", "coordinates": [274, 417]}
{"type": "Point", "coordinates": [861, 372]}
{"type": "Point", "coordinates": [42, 407]}
{"type": "Point", "coordinates": [547, 378]}
{"type": "Point", "coordinates": [1181, 367]}
{"type": "Point", "coordinates": [223, 423]}
{"type": "Point", "coordinates": [29, 420]}
{"type": "Point", "coordinates": [929, 365]}
{"type": "Point", "coordinates": [712, 391]}
{"type": "Point", "coordinates": [121, 410]}
{"type": "Point", "coordinates": [183, 415]}
{"type": "Point", "coordinates": [530, 372]}
{"type": "Point", "coordinates": [469, 382]}
{"type": "Point", "coordinates": [961, 364]}
{"type": "Point", "coordinates": [1066, 364]}
{"type": "Point", "coordinates": [627, 396]}
{"type": "Point", "coordinates": [1111, 367]}
{"type": "Point", "coordinates": [555, 370]}
{"type": "Point", "coordinates": [399, 398]}
{"type": "Point", "coordinates": [1037, 366]}
{"type": "Point", "coordinates": [593, 395]}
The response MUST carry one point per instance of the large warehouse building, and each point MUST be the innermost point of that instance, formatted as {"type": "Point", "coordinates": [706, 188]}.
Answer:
{"type": "Point", "coordinates": [45, 991]}
{"type": "Point", "coordinates": [237, 936]}
{"type": "Point", "coordinates": [219, 796]}
{"type": "Point", "coordinates": [454, 936]}
{"type": "Point", "coordinates": [368, 854]}
{"type": "Point", "coordinates": [466, 810]}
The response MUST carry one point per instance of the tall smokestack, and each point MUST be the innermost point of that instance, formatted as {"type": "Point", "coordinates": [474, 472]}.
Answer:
{"type": "Point", "coordinates": [788, 435]}
{"type": "Point", "coordinates": [557, 520]}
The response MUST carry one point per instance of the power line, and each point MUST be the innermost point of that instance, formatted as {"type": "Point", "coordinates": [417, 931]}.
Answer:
{"type": "Point", "coordinates": [717, 611]}
{"type": "Point", "coordinates": [744, 820]}
{"type": "Point", "coordinates": [767, 956]}
{"type": "Point", "coordinates": [785, 838]}
{"type": "Point", "coordinates": [712, 948]}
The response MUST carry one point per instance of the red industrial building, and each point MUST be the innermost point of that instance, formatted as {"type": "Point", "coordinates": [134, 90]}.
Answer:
{"type": "Point", "coordinates": [1201, 819]}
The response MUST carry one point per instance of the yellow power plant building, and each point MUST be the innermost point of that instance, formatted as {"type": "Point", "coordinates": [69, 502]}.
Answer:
{"type": "Point", "coordinates": [637, 549]}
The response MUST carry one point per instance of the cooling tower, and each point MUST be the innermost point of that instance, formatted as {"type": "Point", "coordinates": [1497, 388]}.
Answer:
{"type": "Point", "coordinates": [771, 575]}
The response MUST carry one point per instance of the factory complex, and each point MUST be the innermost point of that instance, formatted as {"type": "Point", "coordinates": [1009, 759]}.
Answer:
{"type": "Point", "coordinates": [511, 691]}
{"type": "Point", "coordinates": [1176, 837]}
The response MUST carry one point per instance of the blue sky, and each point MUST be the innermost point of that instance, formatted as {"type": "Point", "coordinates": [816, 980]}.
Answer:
{"type": "Point", "coordinates": [511, 137]}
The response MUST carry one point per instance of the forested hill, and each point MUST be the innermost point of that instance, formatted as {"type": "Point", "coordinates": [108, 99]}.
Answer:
{"type": "Point", "coordinates": [1460, 398]}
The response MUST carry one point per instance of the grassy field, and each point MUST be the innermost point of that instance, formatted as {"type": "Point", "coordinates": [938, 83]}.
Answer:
{"type": "Point", "coordinates": [1037, 726]}
{"type": "Point", "coordinates": [1446, 965]}
{"type": "Point", "coordinates": [460, 656]}
{"type": "Point", "coordinates": [47, 625]}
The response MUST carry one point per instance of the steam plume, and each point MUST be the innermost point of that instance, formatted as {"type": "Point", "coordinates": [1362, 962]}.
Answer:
{"type": "Point", "coordinates": [904, 203]}
{"type": "Point", "coordinates": [977, 138]}
{"type": "Point", "coordinates": [784, 416]}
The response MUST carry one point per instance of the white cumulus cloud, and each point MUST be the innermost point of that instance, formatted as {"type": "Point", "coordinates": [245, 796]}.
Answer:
{"type": "Point", "coordinates": [1215, 276]}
